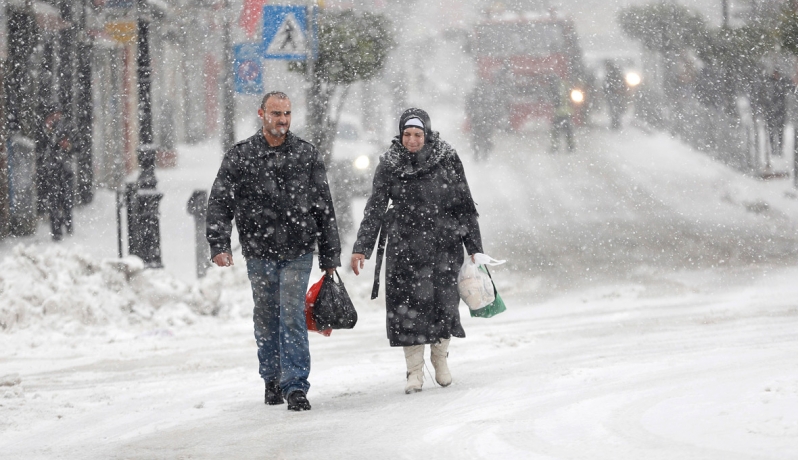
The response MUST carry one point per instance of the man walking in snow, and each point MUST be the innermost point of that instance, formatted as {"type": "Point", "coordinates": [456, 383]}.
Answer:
{"type": "Point", "coordinates": [561, 118]}
{"type": "Point", "coordinates": [275, 187]}
{"type": "Point", "coordinates": [615, 93]}
{"type": "Point", "coordinates": [777, 88]}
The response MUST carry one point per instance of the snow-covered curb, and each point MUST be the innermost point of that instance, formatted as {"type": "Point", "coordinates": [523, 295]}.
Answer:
{"type": "Point", "coordinates": [52, 287]}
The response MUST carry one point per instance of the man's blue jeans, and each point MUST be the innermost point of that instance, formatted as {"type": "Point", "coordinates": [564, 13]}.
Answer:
{"type": "Point", "coordinates": [278, 289]}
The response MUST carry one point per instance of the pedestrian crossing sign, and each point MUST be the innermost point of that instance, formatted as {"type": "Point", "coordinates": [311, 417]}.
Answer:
{"type": "Point", "coordinates": [285, 32]}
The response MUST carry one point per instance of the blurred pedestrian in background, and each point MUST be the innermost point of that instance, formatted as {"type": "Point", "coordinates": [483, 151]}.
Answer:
{"type": "Point", "coordinates": [776, 89]}
{"type": "Point", "coordinates": [614, 93]}
{"type": "Point", "coordinates": [561, 123]}
{"type": "Point", "coordinates": [482, 114]}
{"type": "Point", "coordinates": [422, 209]}
{"type": "Point", "coordinates": [58, 175]}
{"type": "Point", "coordinates": [488, 109]}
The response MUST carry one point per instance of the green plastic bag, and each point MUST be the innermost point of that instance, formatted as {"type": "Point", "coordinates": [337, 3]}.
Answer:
{"type": "Point", "coordinates": [492, 309]}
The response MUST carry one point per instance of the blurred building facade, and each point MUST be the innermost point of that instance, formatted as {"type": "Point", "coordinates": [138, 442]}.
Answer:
{"type": "Point", "coordinates": [80, 57]}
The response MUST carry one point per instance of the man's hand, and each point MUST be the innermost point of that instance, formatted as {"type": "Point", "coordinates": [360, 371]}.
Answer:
{"type": "Point", "coordinates": [329, 271]}
{"type": "Point", "coordinates": [223, 259]}
{"type": "Point", "coordinates": [357, 263]}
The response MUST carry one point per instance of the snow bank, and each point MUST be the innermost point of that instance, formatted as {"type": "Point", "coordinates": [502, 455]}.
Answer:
{"type": "Point", "coordinates": [56, 288]}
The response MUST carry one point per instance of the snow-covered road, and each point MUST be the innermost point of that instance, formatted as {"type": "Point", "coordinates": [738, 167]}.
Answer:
{"type": "Point", "coordinates": [652, 313]}
{"type": "Point", "coordinates": [622, 202]}
{"type": "Point", "coordinates": [694, 369]}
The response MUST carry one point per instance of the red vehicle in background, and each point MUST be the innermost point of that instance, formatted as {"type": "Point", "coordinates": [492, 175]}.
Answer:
{"type": "Point", "coordinates": [523, 59]}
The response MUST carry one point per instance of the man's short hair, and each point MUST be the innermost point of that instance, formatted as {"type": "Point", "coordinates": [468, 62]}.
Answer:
{"type": "Point", "coordinates": [277, 94]}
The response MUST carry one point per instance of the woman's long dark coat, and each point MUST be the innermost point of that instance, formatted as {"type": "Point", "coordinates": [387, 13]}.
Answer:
{"type": "Point", "coordinates": [432, 215]}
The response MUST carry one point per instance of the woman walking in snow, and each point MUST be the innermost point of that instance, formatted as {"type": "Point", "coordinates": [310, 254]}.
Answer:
{"type": "Point", "coordinates": [422, 210]}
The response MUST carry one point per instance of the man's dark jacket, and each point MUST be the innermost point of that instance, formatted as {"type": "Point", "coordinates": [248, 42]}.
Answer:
{"type": "Point", "coordinates": [280, 199]}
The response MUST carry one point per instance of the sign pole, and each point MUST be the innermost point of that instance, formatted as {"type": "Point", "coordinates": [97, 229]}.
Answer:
{"type": "Point", "coordinates": [311, 35]}
{"type": "Point", "coordinates": [228, 127]}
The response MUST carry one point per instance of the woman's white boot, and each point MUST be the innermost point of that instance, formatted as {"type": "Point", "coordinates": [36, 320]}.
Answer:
{"type": "Point", "coordinates": [414, 356]}
{"type": "Point", "coordinates": [438, 354]}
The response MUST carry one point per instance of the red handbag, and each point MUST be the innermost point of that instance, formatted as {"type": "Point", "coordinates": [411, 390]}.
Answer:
{"type": "Point", "coordinates": [310, 301]}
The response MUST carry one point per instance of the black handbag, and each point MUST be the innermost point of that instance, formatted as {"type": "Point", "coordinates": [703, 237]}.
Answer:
{"type": "Point", "coordinates": [333, 308]}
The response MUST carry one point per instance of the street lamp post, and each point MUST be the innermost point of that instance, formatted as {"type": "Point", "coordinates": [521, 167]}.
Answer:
{"type": "Point", "coordinates": [228, 89]}
{"type": "Point", "coordinates": [143, 200]}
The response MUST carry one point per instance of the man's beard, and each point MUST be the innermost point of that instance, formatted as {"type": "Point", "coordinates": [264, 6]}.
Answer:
{"type": "Point", "coordinates": [279, 131]}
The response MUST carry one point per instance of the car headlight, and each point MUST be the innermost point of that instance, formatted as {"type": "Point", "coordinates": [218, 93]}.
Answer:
{"type": "Point", "coordinates": [577, 96]}
{"type": "Point", "coordinates": [633, 79]}
{"type": "Point", "coordinates": [362, 162]}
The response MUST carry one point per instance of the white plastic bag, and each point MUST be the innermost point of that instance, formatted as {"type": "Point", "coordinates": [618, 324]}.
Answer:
{"type": "Point", "coordinates": [474, 285]}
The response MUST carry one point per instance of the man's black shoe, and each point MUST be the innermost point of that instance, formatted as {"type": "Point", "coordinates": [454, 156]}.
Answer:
{"type": "Point", "coordinates": [273, 394]}
{"type": "Point", "coordinates": [297, 401]}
